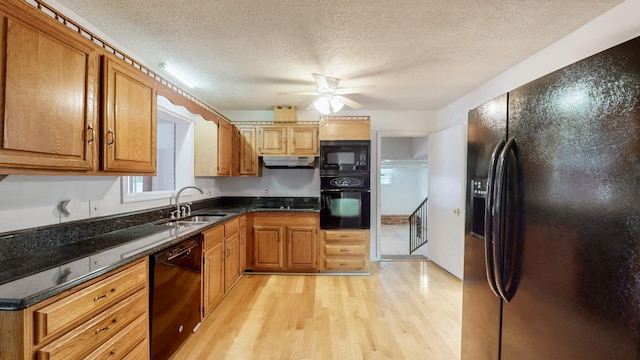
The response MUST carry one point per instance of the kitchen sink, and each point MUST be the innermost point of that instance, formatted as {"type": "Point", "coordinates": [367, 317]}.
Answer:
{"type": "Point", "coordinates": [193, 220]}
{"type": "Point", "coordinates": [207, 217]}
{"type": "Point", "coordinates": [183, 222]}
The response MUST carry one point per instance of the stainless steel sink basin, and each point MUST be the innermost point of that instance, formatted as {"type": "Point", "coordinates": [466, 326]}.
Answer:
{"type": "Point", "coordinates": [182, 222]}
{"type": "Point", "coordinates": [207, 217]}
{"type": "Point", "coordinates": [194, 220]}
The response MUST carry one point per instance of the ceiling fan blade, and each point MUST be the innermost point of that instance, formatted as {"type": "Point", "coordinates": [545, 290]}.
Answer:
{"type": "Point", "coordinates": [350, 103]}
{"type": "Point", "coordinates": [355, 90]}
{"type": "Point", "coordinates": [320, 80]}
{"type": "Point", "coordinates": [300, 93]}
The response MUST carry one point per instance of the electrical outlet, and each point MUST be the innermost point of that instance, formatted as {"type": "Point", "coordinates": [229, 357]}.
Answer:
{"type": "Point", "coordinates": [266, 191]}
{"type": "Point", "coordinates": [95, 208]}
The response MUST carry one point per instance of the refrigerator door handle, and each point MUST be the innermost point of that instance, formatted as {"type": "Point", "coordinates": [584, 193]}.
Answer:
{"type": "Point", "coordinates": [488, 220]}
{"type": "Point", "coordinates": [500, 249]}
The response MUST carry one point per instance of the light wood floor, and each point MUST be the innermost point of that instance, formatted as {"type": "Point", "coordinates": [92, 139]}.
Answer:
{"type": "Point", "coordinates": [403, 310]}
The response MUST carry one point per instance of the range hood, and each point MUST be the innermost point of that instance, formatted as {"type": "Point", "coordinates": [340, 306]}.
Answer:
{"type": "Point", "coordinates": [288, 162]}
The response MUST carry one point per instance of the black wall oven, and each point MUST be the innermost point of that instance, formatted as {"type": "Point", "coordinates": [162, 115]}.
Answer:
{"type": "Point", "coordinates": [345, 202]}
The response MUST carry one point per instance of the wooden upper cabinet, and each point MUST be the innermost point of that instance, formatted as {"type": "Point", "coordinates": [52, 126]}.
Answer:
{"type": "Point", "coordinates": [213, 148]}
{"type": "Point", "coordinates": [129, 119]}
{"type": "Point", "coordinates": [303, 140]}
{"type": "Point", "coordinates": [288, 140]}
{"type": "Point", "coordinates": [248, 156]}
{"type": "Point", "coordinates": [272, 140]}
{"type": "Point", "coordinates": [225, 145]}
{"type": "Point", "coordinates": [48, 88]}
{"type": "Point", "coordinates": [345, 129]}
{"type": "Point", "coordinates": [205, 148]}
{"type": "Point", "coordinates": [235, 151]}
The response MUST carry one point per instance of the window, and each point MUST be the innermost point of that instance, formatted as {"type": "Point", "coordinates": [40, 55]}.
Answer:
{"type": "Point", "coordinates": [386, 176]}
{"type": "Point", "coordinates": [174, 146]}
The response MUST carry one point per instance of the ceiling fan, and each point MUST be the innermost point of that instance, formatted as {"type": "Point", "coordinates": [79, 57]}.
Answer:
{"type": "Point", "coordinates": [331, 95]}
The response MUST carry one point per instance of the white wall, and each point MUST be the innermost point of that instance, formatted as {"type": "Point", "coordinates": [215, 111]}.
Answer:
{"type": "Point", "coordinates": [407, 190]}
{"type": "Point", "coordinates": [419, 146]}
{"type": "Point", "coordinates": [397, 148]}
{"type": "Point", "coordinates": [273, 182]}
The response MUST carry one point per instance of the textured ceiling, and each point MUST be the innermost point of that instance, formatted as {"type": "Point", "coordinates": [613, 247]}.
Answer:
{"type": "Point", "coordinates": [420, 54]}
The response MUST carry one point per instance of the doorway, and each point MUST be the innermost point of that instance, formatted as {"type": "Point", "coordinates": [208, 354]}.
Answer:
{"type": "Point", "coordinates": [403, 186]}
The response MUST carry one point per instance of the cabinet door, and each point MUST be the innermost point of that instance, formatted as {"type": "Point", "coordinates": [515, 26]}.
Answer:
{"type": "Point", "coordinates": [268, 247]}
{"type": "Point", "coordinates": [231, 261]}
{"type": "Point", "coordinates": [272, 140]}
{"type": "Point", "coordinates": [248, 154]}
{"type": "Point", "coordinates": [303, 140]}
{"type": "Point", "coordinates": [48, 106]}
{"type": "Point", "coordinates": [242, 234]}
{"type": "Point", "coordinates": [301, 247]}
{"type": "Point", "coordinates": [224, 148]}
{"type": "Point", "coordinates": [213, 276]}
{"type": "Point", "coordinates": [205, 156]}
{"type": "Point", "coordinates": [235, 151]}
{"type": "Point", "coordinates": [129, 126]}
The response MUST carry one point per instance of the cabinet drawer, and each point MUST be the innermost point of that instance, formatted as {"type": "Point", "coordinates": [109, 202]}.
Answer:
{"type": "Point", "coordinates": [344, 264]}
{"type": "Point", "coordinates": [344, 249]}
{"type": "Point", "coordinates": [86, 337]}
{"type": "Point", "coordinates": [231, 227]}
{"type": "Point", "coordinates": [141, 351]}
{"type": "Point", "coordinates": [345, 235]}
{"type": "Point", "coordinates": [124, 342]}
{"type": "Point", "coordinates": [212, 236]}
{"type": "Point", "coordinates": [88, 301]}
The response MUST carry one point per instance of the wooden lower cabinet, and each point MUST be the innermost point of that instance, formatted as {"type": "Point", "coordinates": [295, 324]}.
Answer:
{"type": "Point", "coordinates": [105, 316]}
{"type": "Point", "coordinates": [344, 250]}
{"type": "Point", "coordinates": [232, 253]}
{"type": "Point", "coordinates": [221, 262]}
{"type": "Point", "coordinates": [242, 235]}
{"type": "Point", "coordinates": [285, 241]}
{"type": "Point", "coordinates": [213, 256]}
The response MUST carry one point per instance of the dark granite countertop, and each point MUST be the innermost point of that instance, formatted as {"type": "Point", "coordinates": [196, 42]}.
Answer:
{"type": "Point", "coordinates": [36, 264]}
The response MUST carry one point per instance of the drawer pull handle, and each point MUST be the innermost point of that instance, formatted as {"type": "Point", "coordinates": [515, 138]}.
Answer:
{"type": "Point", "coordinates": [113, 352]}
{"type": "Point", "coordinates": [345, 250]}
{"type": "Point", "coordinates": [104, 295]}
{"type": "Point", "coordinates": [344, 236]}
{"type": "Point", "coordinates": [344, 264]}
{"type": "Point", "coordinates": [106, 327]}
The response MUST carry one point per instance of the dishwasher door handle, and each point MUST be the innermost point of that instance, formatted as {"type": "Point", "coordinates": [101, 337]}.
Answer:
{"type": "Point", "coordinates": [181, 255]}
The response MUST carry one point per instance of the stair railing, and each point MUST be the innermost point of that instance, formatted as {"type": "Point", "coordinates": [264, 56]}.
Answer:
{"type": "Point", "coordinates": [418, 227]}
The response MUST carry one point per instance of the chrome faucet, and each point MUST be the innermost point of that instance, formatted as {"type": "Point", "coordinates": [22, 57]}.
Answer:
{"type": "Point", "coordinates": [177, 213]}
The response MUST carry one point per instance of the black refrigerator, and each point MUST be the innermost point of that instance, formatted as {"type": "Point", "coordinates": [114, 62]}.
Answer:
{"type": "Point", "coordinates": [552, 239]}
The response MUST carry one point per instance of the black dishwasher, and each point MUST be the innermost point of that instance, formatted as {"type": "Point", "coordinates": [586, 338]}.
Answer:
{"type": "Point", "coordinates": [175, 296]}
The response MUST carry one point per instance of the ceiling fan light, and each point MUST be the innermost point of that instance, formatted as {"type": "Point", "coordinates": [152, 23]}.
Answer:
{"type": "Point", "coordinates": [336, 104]}
{"type": "Point", "coordinates": [322, 105]}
